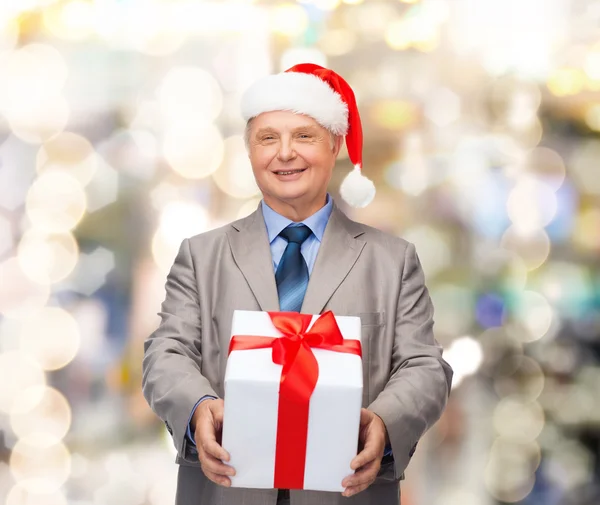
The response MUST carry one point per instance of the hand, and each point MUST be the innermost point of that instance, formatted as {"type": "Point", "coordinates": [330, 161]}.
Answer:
{"type": "Point", "coordinates": [208, 423]}
{"type": "Point", "coordinates": [372, 438]}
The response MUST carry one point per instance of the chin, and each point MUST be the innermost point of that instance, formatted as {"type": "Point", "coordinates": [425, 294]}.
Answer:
{"type": "Point", "coordinates": [290, 193]}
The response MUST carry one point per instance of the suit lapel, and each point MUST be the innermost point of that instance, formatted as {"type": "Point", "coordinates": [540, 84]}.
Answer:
{"type": "Point", "coordinates": [249, 244]}
{"type": "Point", "coordinates": [337, 254]}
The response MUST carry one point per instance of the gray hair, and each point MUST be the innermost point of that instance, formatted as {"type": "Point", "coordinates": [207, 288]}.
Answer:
{"type": "Point", "coordinates": [332, 136]}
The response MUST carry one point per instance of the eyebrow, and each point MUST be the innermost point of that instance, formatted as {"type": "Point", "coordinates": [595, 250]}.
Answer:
{"type": "Point", "coordinates": [310, 128]}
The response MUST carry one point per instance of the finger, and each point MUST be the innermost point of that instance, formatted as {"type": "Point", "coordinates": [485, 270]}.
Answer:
{"type": "Point", "coordinates": [218, 479]}
{"type": "Point", "coordinates": [206, 435]}
{"type": "Point", "coordinates": [215, 465]}
{"type": "Point", "coordinates": [364, 475]}
{"type": "Point", "coordinates": [217, 409]}
{"type": "Point", "coordinates": [213, 448]}
{"type": "Point", "coordinates": [351, 491]}
{"type": "Point", "coordinates": [366, 456]}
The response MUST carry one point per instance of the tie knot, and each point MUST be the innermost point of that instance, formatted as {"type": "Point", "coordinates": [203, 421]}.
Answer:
{"type": "Point", "coordinates": [296, 234]}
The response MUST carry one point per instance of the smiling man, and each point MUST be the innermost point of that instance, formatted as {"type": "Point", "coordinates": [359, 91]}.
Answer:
{"type": "Point", "coordinates": [298, 252]}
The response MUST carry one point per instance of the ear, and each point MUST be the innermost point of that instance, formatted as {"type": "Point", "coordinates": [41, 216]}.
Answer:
{"type": "Point", "coordinates": [337, 144]}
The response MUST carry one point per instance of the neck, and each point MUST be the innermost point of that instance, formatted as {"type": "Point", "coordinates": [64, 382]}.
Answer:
{"type": "Point", "coordinates": [294, 210]}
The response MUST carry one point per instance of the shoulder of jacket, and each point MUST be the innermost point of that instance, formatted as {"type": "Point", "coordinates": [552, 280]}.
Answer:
{"type": "Point", "coordinates": [209, 236]}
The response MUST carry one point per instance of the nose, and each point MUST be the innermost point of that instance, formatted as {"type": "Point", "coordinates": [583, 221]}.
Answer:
{"type": "Point", "coordinates": [286, 150]}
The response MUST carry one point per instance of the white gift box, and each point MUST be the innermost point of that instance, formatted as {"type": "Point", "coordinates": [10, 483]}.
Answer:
{"type": "Point", "coordinates": [252, 382]}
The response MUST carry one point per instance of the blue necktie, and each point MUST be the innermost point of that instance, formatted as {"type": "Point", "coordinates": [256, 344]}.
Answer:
{"type": "Point", "coordinates": [292, 273]}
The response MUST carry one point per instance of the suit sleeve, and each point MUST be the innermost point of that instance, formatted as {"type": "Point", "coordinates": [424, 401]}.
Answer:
{"type": "Point", "coordinates": [172, 380]}
{"type": "Point", "coordinates": [419, 384]}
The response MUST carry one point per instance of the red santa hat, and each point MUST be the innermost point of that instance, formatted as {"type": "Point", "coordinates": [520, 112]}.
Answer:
{"type": "Point", "coordinates": [325, 96]}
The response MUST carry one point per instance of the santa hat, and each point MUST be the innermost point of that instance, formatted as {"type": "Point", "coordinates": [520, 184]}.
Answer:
{"type": "Point", "coordinates": [325, 96]}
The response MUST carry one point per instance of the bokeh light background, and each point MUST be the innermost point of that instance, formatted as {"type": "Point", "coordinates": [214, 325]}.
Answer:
{"type": "Point", "coordinates": [120, 135]}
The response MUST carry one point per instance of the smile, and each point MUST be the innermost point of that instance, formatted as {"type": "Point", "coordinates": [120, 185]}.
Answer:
{"type": "Point", "coordinates": [290, 172]}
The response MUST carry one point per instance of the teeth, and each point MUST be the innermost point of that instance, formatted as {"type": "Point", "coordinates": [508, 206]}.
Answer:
{"type": "Point", "coordinates": [290, 172]}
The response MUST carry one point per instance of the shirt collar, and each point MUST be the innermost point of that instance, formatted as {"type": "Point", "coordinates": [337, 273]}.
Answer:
{"type": "Point", "coordinates": [317, 223]}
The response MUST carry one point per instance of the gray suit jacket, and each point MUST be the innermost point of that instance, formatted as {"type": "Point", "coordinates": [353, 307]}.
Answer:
{"type": "Point", "coordinates": [359, 271]}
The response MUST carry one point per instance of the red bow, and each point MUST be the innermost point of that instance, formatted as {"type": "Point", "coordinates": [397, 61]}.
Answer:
{"type": "Point", "coordinates": [298, 380]}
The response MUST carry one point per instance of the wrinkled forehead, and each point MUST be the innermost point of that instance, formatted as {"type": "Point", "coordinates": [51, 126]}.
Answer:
{"type": "Point", "coordinates": [281, 120]}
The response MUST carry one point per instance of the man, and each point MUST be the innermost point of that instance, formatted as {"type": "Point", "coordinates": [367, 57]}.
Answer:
{"type": "Point", "coordinates": [299, 252]}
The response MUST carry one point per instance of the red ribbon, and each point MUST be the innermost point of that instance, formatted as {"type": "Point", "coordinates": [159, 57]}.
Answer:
{"type": "Point", "coordinates": [298, 380]}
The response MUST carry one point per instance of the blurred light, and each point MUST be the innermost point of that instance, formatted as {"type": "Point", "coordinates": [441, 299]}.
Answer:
{"type": "Point", "coordinates": [586, 233]}
{"type": "Point", "coordinates": [353, 2]}
{"type": "Point", "coordinates": [34, 74]}
{"type": "Point", "coordinates": [434, 248]}
{"type": "Point", "coordinates": [454, 308]}
{"type": "Point", "coordinates": [103, 189]}
{"type": "Point", "coordinates": [92, 270]}
{"type": "Point", "coordinates": [9, 33]}
{"type": "Point", "coordinates": [566, 81]}
{"type": "Point", "coordinates": [418, 28]}
{"type": "Point", "coordinates": [190, 94]}
{"type": "Point", "coordinates": [6, 236]}
{"type": "Point", "coordinates": [193, 150]}
{"type": "Point", "coordinates": [19, 295]}
{"type": "Point", "coordinates": [532, 246]}
{"type": "Point", "coordinates": [592, 117]}
{"type": "Point", "coordinates": [523, 378]}
{"type": "Point", "coordinates": [443, 107]}
{"type": "Point", "coordinates": [56, 202]}
{"type": "Point", "coordinates": [460, 496]}
{"type": "Point", "coordinates": [289, 19]}
{"type": "Point", "coordinates": [337, 42]}
{"type": "Point", "coordinates": [568, 286]}
{"type": "Point", "coordinates": [326, 5]}
{"type": "Point", "coordinates": [178, 220]}
{"type": "Point", "coordinates": [465, 357]}
{"type": "Point", "coordinates": [70, 153]}
{"type": "Point", "coordinates": [412, 174]}
{"type": "Point", "coordinates": [518, 420]}
{"type": "Point", "coordinates": [497, 344]}
{"type": "Point", "coordinates": [51, 336]}
{"type": "Point", "coordinates": [163, 489]}
{"type": "Point", "coordinates": [531, 317]}
{"type": "Point", "coordinates": [40, 463]}
{"type": "Point", "coordinates": [545, 165]}
{"type": "Point", "coordinates": [583, 166]}
{"type": "Point", "coordinates": [42, 410]}
{"type": "Point", "coordinates": [154, 31]}
{"type": "Point", "coordinates": [248, 208]}
{"type": "Point", "coordinates": [370, 19]}
{"type": "Point", "coordinates": [395, 115]}
{"type": "Point", "coordinates": [235, 176]}
{"type": "Point", "coordinates": [18, 495]}
{"type": "Point", "coordinates": [509, 475]}
{"type": "Point", "coordinates": [71, 20]}
{"type": "Point", "coordinates": [489, 310]}
{"type": "Point", "coordinates": [208, 18]}
{"type": "Point", "coordinates": [41, 121]}
{"type": "Point", "coordinates": [147, 116]}
{"type": "Point", "coordinates": [80, 466]}
{"type": "Point", "coordinates": [570, 465]}
{"type": "Point", "coordinates": [531, 204]}
{"type": "Point", "coordinates": [18, 371]}
{"type": "Point", "coordinates": [295, 55]}
{"type": "Point", "coordinates": [47, 258]}
{"type": "Point", "coordinates": [522, 109]}
{"type": "Point", "coordinates": [33, 78]}
{"type": "Point", "coordinates": [592, 63]}
{"type": "Point", "coordinates": [134, 152]}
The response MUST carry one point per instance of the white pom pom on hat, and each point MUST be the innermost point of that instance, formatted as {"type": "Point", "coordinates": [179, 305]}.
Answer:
{"type": "Point", "coordinates": [325, 96]}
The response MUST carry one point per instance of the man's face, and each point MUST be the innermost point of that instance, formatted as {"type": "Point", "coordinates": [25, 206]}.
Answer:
{"type": "Point", "coordinates": [292, 157]}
